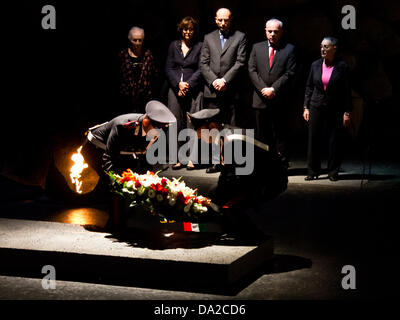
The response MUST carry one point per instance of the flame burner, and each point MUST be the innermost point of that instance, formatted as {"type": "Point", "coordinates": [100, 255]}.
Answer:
{"type": "Point", "coordinates": [77, 168]}
{"type": "Point", "coordinates": [73, 173]}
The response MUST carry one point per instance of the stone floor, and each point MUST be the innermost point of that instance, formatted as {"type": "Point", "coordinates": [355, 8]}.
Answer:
{"type": "Point", "coordinates": [318, 227]}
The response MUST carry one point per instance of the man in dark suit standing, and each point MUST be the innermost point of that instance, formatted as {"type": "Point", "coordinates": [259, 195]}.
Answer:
{"type": "Point", "coordinates": [271, 67]}
{"type": "Point", "coordinates": [222, 57]}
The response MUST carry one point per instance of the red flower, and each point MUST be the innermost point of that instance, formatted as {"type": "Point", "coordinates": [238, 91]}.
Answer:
{"type": "Point", "coordinates": [187, 200]}
{"type": "Point", "coordinates": [163, 181]}
{"type": "Point", "coordinates": [138, 184]}
{"type": "Point", "coordinates": [124, 179]}
{"type": "Point", "coordinates": [180, 197]}
{"type": "Point", "coordinates": [127, 176]}
{"type": "Point", "coordinates": [164, 191]}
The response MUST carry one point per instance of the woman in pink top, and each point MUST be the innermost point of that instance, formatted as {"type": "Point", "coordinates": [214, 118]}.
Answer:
{"type": "Point", "coordinates": [327, 104]}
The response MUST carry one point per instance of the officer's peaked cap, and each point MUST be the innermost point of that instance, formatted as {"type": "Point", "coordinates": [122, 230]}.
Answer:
{"type": "Point", "coordinates": [158, 112]}
{"type": "Point", "coordinates": [204, 114]}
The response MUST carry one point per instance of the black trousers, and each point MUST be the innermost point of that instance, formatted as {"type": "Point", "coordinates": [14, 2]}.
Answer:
{"type": "Point", "coordinates": [271, 126]}
{"type": "Point", "coordinates": [179, 107]}
{"type": "Point", "coordinates": [227, 106]}
{"type": "Point", "coordinates": [327, 122]}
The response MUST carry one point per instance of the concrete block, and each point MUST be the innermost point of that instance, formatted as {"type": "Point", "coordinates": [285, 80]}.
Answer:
{"type": "Point", "coordinates": [82, 255]}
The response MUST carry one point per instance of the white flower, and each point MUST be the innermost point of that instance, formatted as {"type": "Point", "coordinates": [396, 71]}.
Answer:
{"type": "Point", "coordinates": [126, 190]}
{"type": "Point", "coordinates": [146, 182]}
{"type": "Point", "coordinates": [176, 186]}
{"type": "Point", "coordinates": [129, 184]}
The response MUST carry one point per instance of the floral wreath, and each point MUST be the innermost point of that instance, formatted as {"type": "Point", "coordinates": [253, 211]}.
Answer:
{"type": "Point", "coordinates": [171, 200]}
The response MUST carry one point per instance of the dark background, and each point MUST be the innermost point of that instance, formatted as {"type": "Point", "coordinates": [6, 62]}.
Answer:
{"type": "Point", "coordinates": [60, 82]}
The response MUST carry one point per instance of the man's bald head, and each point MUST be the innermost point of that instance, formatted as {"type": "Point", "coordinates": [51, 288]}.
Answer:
{"type": "Point", "coordinates": [223, 19]}
{"type": "Point", "coordinates": [223, 11]}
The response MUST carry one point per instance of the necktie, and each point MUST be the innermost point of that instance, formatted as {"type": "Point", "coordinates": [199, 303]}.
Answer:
{"type": "Point", "coordinates": [222, 41]}
{"type": "Point", "coordinates": [271, 57]}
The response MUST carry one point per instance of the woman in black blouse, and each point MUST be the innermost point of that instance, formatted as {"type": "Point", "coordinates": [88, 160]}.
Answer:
{"type": "Point", "coordinates": [137, 73]}
{"type": "Point", "coordinates": [183, 75]}
{"type": "Point", "coordinates": [327, 105]}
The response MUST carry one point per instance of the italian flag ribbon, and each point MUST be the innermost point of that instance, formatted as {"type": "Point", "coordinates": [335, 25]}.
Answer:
{"type": "Point", "coordinates": [194, 227]}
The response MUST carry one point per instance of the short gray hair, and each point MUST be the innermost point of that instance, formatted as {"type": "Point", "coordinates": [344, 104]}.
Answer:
{"type": "Point", "coordinates": [275, 20]}
{"type": "Point", "coordinates": [135, 29]}
{"type": "Point", "coordinates": [332, 40]}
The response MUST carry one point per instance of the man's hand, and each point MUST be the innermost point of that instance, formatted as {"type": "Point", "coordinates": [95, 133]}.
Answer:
{"type": "Point", "coordinates": [306, 114]}
{"type": "Point", "coordinates": [268, 92]}
{"type": "Point", "coordinates": [346, 119]}
{"type": "Point", "coordinates": [219, 85]}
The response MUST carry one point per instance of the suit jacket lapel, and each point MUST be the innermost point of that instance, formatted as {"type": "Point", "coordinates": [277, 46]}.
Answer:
{"type": "Point", "coordinates": [178, 47]}
{"type": "Point", "coordinates": [264, 55]}
{"type": "Point", "coordinates": [228, 42]}
{"type": "Point", "coordinates": [319, 74]}
{"type": "Point", "coordinates": [335, 73]}
{"type": "Point", "coordinates": [217, 40]}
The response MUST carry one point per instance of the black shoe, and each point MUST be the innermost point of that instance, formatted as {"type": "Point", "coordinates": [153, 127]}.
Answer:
{"type": "Point", "coordinates": [333, 177]}
{"type": "Point", "coordinates": [214, 168]}
{"type": "Point", "coordinates": [191, 167]}
{"type": "Point", "coordinates": [311, 177]}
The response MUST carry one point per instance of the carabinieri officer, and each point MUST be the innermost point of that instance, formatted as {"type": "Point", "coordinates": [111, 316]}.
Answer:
{"type": "Point", "coordinates": [121, 142]}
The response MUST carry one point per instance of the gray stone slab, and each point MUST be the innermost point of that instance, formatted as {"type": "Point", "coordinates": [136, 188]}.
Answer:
{"type": "Point", "coordinates": [77, 252]}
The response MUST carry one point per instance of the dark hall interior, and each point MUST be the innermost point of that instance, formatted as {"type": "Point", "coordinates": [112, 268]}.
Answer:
{"type": "Point", "coordinates": [60, 82]}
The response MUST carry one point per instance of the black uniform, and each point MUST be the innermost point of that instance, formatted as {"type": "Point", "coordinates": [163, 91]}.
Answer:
{"type": "Point", "coordinates": [235, 193]}
{"type": "Point", "coordinates": [118, 144]}
{"type": "Point", "coordinates": [121, 143]}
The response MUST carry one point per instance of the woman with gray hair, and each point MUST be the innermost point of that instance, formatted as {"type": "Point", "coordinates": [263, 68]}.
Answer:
{"type": "Point", "coordinates": [137, 74]}
{"type": "Point", "coordinates": [327, 104]}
